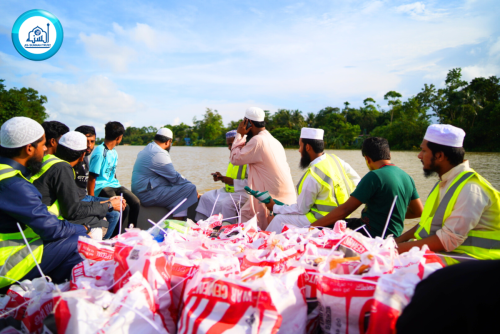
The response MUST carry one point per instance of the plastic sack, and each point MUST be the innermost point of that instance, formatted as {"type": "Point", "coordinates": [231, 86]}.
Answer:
{"type": "Point", "coordinates": [133, 310]}
{"type": "Point", "coordinates": [93, 250]}
{"type": "Point", "coordinates": [92, 275]}
{"type": "Point", "coordinates": [259, 303]}
{"type": "Point", "coordinates": [345, 303]}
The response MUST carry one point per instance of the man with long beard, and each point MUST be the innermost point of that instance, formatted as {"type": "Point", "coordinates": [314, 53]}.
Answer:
{"type": "Point", "coordinates": [52, 241]}
{"type": "Point", "coordinates": [327, 183]}
{"type": "Point", "coordinates": [461, 214]}
{"type": "Point", "coordinates": [156, 182]}
{"type": "Point", "coordinates": [268, 169]}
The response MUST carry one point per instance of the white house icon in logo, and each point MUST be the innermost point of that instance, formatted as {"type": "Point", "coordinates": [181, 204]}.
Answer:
{"type": "Point", "coordinates": [38, 35]}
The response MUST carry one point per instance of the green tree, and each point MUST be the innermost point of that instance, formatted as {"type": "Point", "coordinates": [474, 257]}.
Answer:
{"type": "Point", "coordinates": [393, 100]}
{"type": "Point", "coordinates": [21, 102]}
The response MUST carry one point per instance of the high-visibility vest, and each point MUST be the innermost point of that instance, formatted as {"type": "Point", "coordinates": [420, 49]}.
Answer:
{"type": "Point", "coordinates": [236, 173]}
{"type": "Point", "coordinates": [330, 174]}
{"type": "Point", "coordinates": [48, 161]}
{"type": "Point", "coordinates": [15, 257]}
{"type": "Point", "coordinates": [482, 245]}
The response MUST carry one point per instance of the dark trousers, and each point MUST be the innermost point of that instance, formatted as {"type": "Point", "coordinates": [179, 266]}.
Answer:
{"type": "Point", "coordinates": [462, 298]}
{"type": "Point", "coordinates": [133, 203]}
{"type": "Point", "coordinates": [58, 259]}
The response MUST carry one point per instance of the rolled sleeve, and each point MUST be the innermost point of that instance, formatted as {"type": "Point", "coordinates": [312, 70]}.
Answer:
{"type": "Point", "coordinates": [470, 205]}
{"type": "Point", "coordinates": [305, 201]}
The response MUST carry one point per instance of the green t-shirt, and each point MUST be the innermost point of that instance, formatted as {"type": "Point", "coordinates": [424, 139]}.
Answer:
{"type": "Point", "coordinates": [377, 190]}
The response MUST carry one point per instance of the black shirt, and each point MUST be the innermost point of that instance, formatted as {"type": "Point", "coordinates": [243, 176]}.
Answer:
{"type": "Point", "coordinates": [82, 177]}
{"type": "Point", "coordinates": [58, 183]}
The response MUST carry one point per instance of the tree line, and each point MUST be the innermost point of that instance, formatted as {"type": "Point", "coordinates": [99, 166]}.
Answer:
{"type": "Point", "coordinates": [473, 106]}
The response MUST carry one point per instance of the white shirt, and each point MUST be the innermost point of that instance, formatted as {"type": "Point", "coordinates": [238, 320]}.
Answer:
{"type": "Point", "coordinates": [312, 190]}
{"type": "Point", "coordinates": [471, 211]}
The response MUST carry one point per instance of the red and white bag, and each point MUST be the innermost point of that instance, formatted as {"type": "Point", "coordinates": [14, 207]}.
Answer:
{"type": "Point", "coordinates": [345, 303]}
{"type": "Point", "coordinates": [260, 303]}
{"type": "Point", "coordinates": [94, 250]}
{"type": "Point", "coordinates": [133, 310]}
{"type": "Point", "coordinates": [90, 274]}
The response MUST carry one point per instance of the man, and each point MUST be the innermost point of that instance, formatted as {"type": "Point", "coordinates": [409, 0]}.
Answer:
{"type": "Point", "coordinates": [155, 180]}
{"type": "Point", "coordinates": [461, 214]}
{"type": "Point", "coordinates": [53, 132]}
{"type": "Point", "coordinates": [56, 182]}
{"type": "Point", "coordinates": [102, 171]}
{"type": "Point", "coordinates": [268, 169]}
{"type": "Point", "coordinates": [82, 178]}
{"type": "Point", "coordinates": [53, 242]}
{"type": "Point", "coordinates": [377, 191]}
{"type": "Point", "coordinates": [231, 195]}
{"type": "Point", "coordinates": [327, 183]}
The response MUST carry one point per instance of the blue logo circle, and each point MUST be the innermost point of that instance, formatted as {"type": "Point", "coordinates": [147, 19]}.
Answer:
{"type": "Point", "coordinates": [37, 34]}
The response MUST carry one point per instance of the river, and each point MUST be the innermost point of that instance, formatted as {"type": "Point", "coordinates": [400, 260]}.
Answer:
{"type": "Point", "coordinates": [196, 164]}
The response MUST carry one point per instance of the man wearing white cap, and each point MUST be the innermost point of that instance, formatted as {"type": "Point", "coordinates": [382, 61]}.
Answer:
{"type": "Point", "coordinates": [327, 183]}
{"type": "Point", "coordinates": [227, 199]}
{"type": "Point", "coordinates": [156, 182]}
{"type": "Point", "coordinates": [461, 214]}
{"type": "Point", "coordinates": [53, 242]}
{"type": "Point", "coordinates": [268, 169]}
{"type": "Point", "coordinates": [56, 182]}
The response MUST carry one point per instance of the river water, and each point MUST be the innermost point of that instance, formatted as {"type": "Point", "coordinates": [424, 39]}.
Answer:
{"type": "Point", "coordinates": [196, 164]}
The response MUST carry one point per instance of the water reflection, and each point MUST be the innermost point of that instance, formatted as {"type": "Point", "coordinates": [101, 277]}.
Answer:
{"type": "Point", "coordinates": [196, 164]}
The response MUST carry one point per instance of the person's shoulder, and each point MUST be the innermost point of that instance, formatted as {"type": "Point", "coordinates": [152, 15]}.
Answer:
{"type": "Point", "coordinates": [17, 185]}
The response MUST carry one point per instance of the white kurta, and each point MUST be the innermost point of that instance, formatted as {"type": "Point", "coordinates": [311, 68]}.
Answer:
{"type": "Point", "coordinates": [225, 204]}
{"type": "Point", "coordinates": [295, 214]}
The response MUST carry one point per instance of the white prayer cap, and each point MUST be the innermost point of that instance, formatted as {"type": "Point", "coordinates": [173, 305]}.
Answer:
{"type": "Point", "coordinates": [74, 140]}
{"type": "Point", "coordinates": [445, 134]}
{"type": "Point", "coordinates": [255, 114]}
{"type": "Point", "coordinates": [20, 131]}
{"type": "Point", "coordinates": [165, 132]}
{"type": "Point", "coordinates": [310, 133]}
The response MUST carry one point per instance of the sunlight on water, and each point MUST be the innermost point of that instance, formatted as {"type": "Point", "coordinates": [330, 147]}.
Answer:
{"type": "Point", "coordinates": [196, 164]}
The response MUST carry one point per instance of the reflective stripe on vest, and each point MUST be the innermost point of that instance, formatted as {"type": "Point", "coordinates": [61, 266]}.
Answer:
{"type": "Point", "coordinates": [480, 244]}
{"type": "Point", "coordinates": [236, 173]}
{"type": "Point", "coordinates": [48, 161]}
{"type": "Point", "coordinates": [15, 257]}
{"type": "Point", "coordinates": [331, 175]}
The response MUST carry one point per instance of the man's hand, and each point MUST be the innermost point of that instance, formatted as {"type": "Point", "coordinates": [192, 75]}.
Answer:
{"type": "Point", "coordinates": [217, 176]}
{"type": "Point", "coordinates": [115, 201]}
{"type": "Point", "coordinates": [270, 205]}
{"type": "Point", "coordinates": [242, 128]}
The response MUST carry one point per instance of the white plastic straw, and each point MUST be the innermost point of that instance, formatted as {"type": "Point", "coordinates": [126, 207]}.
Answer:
{"type": "Point", "coordinates": [239, 204]}
{"type": "Point", "coordinates": [172, 211]}
{"type": "Point", "coordinates": [389, 216]}
{"type": "Point", "coordinates": [214, 205]}
{"type": "Point", "coordinates": [230, 218]}
{"type": "Point", "coordinates": [364, 228]}
{"type": "Point", "coordinates": [238, 212]}
{"type": "Point", "coordinates": [157, 225]}
{"type": "Point", "coordinates": [121, 213]}
{"type": "Point", "coordinates": [29, 248]}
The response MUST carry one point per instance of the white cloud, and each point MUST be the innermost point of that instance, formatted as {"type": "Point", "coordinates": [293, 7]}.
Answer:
{"type": "Point", "coordinates": [176, 121]}
{"type": "Point", "coordinates": [418, 10]}
{"type": "Point", "coordinates": [106, 50]}
{"type": "Point", "coordinates": [95, 101]}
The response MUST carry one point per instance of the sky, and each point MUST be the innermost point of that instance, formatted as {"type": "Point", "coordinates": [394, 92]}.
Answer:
{"type": "Point", "coordinates": [158, 62]}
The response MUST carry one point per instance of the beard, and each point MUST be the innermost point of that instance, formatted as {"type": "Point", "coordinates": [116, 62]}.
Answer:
{"type": "Point", "coordinates": [87, 153]}
{"type": "Point", "coordinates": [433, 170]}
{"type": "Point", "coordinates": [249, 136]}
{"type": "Point", "coordinates": [34, 165]}
{"type": "Point", "coordinates": [305, 160]}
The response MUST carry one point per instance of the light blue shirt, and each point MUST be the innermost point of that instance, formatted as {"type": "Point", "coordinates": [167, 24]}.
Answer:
{"type": "Point", "coordinates": [103, 163]}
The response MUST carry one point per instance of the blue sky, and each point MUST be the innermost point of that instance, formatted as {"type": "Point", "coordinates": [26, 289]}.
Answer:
{"type": "Point", "coordinates": [157, 63]}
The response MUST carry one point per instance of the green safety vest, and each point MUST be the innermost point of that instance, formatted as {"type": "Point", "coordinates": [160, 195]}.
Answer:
{"type": "Point", "coordinates": [482, 245]}
{"type": "Point", "coordinates": [330, 174]}
{"type": "Point", "coordinates": [15, 257]}
{"type": "Point", "coordinates": [48, 161]}
{"type": "Point", "coordinates": [236, 173]}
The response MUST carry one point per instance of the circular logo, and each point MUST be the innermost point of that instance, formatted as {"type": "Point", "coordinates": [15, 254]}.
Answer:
{"type": "Point", "coordinates": [37, 34]}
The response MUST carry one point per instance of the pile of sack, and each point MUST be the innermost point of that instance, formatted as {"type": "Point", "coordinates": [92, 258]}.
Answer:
{"type": "Point", "coordinates": [209, 278]}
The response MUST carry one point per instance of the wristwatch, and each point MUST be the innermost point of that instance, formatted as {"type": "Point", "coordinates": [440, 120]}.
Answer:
{"type": "Point", "coordinates": [87, 227]}
{"type": "Point", "coordinates": [110, 206]}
